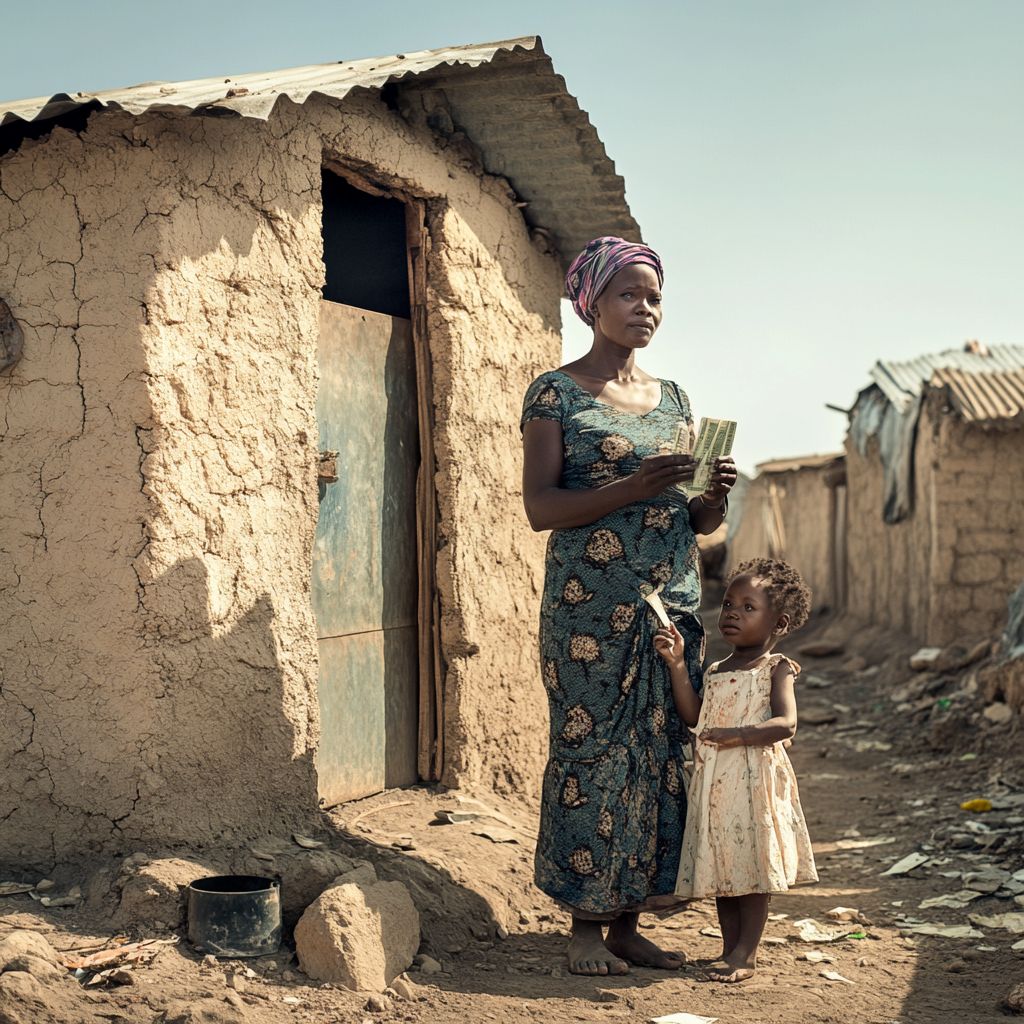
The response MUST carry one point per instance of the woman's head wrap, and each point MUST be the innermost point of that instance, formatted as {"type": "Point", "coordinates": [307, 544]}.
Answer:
{"type": "Point", "coordinates": [597, 264]}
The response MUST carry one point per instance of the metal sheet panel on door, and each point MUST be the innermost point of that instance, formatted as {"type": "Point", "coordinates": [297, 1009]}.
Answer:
{"type": "Point", "coordinates": [364, 583]}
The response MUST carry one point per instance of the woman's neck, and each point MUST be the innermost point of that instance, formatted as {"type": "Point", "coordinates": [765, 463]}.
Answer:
{"type": "Point", "coordinates": [609, 361]}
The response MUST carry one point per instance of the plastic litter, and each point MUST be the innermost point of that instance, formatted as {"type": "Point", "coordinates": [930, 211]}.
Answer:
{"type": "Point", "coordinates": [836, 976]}
{"type": "Point", "coordinates": [810, 931]}
{"type": "Point", "coordinates": [976, 805]}
{"type": "Point", "coordinates": [683, 1018]}
{"type": "Point", "coordinates": [952, 901]}
{"type": "Point", "coordinates": [1013, 922]}
{"type": "Point", "coordinates": [948, 931]}
{"type": "Point", "coordinates": [815, 956]}
{"type": "Point", "coordinates": [13, 888]}
{"type": "Point", "coordinates": [844, 914]}
{"type": "Point", "coordinates": [908, 863]}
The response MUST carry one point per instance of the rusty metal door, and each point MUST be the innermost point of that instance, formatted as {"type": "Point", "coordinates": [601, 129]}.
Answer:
{"type": "Point", "coordinates": [364, 586]}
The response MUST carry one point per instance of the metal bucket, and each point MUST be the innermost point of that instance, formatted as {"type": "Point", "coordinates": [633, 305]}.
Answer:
{"type": "Point", "coordinates": [235, 915]}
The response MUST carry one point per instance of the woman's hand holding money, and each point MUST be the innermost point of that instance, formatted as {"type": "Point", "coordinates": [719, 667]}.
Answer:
{"type": "Point", "coordinates": [659, 472]}
{"type": "Point", "coordinates": [723, 479]}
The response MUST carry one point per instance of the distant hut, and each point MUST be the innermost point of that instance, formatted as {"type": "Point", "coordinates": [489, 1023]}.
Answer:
{"type": "Point", "coordinates": [795, 509]}
{"type": "Point", "coordinates": [935, 474]}
{"type": "Point", "coordinates": [263, 541]}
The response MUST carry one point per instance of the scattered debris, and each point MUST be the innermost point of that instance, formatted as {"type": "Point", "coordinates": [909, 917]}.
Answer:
{"type": "Point", "coordinates": [815, 956]}
{"type": "Point", "coordinates": [711, 933]}
{"type": "Point", "coordinates": [13, 888]}
{"type": "Point", "coordinates": [908, 863]}
{"type": "Point", "coordinates": [844, 914]}
{"type": "Point", "coordinates": [497, 835]}
{"type": "Point", "coordinates": [952, 901]}
{"type": "Point", "coordinates": [975, 806]}
{"type": "Point", "coordinates": [810, 931]}
{"type": "Point", "coordinates": [1013, 922]}
{"type": "Point", "coordinates": [683, 1018]}
{"type": "Point", "coordinates": [124, 953]}
{"type": "Point", "coordinates": [863, 844]}
{"type": "Point", "coordinates": [306, 843]}
{"type": "Point", "coordinates": [925, 658]}
{"type": "Point", "coordinates": [836, 976]}
{"type": "Point", "coordinates": [1014, 999]}
{"type": "Point", "coordinates": [948, 931]}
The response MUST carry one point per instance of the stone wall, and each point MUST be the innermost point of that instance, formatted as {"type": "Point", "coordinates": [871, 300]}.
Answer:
{"type": "Point", "coordinates": [159, 446]}
{"type": "Point", "coordinates": [945, 572]}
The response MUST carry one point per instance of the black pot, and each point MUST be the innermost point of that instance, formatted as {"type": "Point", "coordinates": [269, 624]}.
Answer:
{"type": "Point", "coordinates": [235, 915]}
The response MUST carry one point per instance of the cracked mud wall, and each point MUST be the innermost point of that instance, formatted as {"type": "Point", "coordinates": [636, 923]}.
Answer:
{"type": "Point", "coordinates": [945, 572]}
{"type": "Point", "coordinates": [159, 454]}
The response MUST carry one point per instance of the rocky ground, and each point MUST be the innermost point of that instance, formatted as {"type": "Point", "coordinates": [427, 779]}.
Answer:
{"type": "Point", "coordinates": [885, 757]}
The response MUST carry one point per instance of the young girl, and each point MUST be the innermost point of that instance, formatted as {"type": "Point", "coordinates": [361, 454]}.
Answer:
{"type": "Point", "coordinates": [745, 832]}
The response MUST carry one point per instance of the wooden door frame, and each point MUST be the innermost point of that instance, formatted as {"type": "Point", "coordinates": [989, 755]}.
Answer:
{"type": "Point", "coordinates": [430, 746]}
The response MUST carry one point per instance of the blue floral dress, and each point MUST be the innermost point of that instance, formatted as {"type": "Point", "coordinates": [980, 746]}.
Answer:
{"type": "Point", "coordinates": [614, 798]}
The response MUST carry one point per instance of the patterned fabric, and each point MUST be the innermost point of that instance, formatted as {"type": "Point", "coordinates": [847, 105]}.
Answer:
{"type": "Point", "coordinates": [613, 800]}
{"type": "Point", "coordinates": [745, 831]}
{"type": "Point", "coordinates": [597, 264]}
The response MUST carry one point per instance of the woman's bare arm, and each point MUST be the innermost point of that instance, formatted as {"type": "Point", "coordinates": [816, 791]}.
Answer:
{"type": "Point", "coordinates": [551, 507]}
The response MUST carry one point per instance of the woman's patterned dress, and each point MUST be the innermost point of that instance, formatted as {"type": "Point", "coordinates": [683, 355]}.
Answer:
{"type": "Point", "coordinates": [614, 802]}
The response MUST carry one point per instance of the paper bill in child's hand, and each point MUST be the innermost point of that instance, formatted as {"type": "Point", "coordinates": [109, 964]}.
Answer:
{"type": "Point", "coordinates": [659, 609]}
{"type": "Point", "coordinates": [714, 441]}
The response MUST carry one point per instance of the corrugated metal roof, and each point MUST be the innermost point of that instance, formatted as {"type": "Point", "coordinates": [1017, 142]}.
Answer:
{"type": "Point", "coordinates": [902, 382]}
{"type": "Point", "coordinates": [505, 96]}
{"type": "Point", "coordinates": [799, 462]}
{"type": "Point", "coordinates": [984, 397]}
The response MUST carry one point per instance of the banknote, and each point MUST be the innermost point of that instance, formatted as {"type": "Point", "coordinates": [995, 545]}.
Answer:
{"type": "Point", "coordinates": [714, 441]}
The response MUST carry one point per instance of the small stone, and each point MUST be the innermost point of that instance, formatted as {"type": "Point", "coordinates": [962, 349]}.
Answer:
{"type": "Point", "coordinates": [502, 932]}
{"type": "Point", "coordinates": [428, 965]}
{"type": "Point", "coordinates": [998, 713]}
{"type": "Point", "coordinates": [294, 999]}
{"type": "Point", "coordinates": [453, 949]}
{"type": "Point", "coordinates": [389, 991]}
{"type": "Point", "coordinates": [609, 995]}
{"type": "Point", "coordinates": [235, 1000]}
{"type": "Point", "coordinates": [159, 926]}
{"type": "Point", "coordinates": [45, 885]}
{"type": "Point", "coordinates": [210, 960]}
{"type": "Point", "coordinates": [1014, 999]}
{"type": "Point", "coordinates": [237, 982]}
{"type": "Point", "coordinates": [250, 973]}
{"type": "Point", "coordinates": [75, 892]}
{"type": "Point", "coordinates": [855, 664]}
{"type": "Point", "coordinates": [378, 1004]}
{"type": "Point", "coordinates": [287, 976]}
{"type": "Point", "coordinates": [972, 954]}
{"type": "Point", "coordinates": [404, 988]}
{"type": "Point", "coordinates": [954, 967]}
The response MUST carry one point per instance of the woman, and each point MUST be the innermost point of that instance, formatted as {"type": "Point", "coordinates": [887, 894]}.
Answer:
{"type": "Point", "coordinates": [614, 802]}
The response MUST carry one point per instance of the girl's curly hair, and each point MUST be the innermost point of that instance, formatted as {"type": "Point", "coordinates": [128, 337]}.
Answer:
{"type": "Point", "coordinates": [784, 586]}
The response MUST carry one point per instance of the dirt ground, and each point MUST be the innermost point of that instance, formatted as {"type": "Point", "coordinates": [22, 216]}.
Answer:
{"type": "Point", "coordinates": [881, 770]}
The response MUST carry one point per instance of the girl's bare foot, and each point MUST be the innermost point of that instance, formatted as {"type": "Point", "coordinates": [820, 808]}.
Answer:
{"type": "Point", "coordinates": [588, 954]}
{"type": "Point", "coordinates": [730, 970]}
{"type": "Point", "coordinates": [641, 952]}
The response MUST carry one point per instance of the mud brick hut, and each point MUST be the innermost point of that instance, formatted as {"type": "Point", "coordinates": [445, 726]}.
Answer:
{"type": "Point", "coordinates": [935, 484]}
{"type": "Point", "coordinates": [795, 509]}
{"type": "Point", "coordinates": [261, 536]}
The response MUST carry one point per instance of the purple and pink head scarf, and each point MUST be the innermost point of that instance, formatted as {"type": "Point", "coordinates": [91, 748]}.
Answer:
{"type": "Point", "coordinates": [597, 264]}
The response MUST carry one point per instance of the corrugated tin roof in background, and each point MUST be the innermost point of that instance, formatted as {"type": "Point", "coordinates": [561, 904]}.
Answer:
{"type": "Point", "coordinates": [984, 398]}
{"type": "Point", "coordinates": [903, 382]}
{"type": "Point", "coordinates": [505, 96]}
{"type": "Point", "coordinates": [800, 462]}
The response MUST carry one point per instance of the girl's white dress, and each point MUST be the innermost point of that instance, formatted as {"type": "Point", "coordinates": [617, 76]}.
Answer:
{"type": "Point", "coordinates": [745, 830]}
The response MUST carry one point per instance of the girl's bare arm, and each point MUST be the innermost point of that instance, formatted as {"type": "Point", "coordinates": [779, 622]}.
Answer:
{"type": "Point", "coordinates": [551, 507]}
{"type": "Point", "coordinates": [781, 726]}
{"type": "Point", "coordinates": [670, 645]}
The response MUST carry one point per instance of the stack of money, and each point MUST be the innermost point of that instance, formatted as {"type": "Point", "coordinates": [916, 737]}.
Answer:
{"type": "Point", "coordinates": [714, 441]}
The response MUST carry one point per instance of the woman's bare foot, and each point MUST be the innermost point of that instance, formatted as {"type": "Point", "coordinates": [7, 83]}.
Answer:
{"type": "Point", "coordinates": [642, 952]}
{"type": "Point", "coordinates": [625, 942]}
{"type": "Point", "coordinates": [588, 953]}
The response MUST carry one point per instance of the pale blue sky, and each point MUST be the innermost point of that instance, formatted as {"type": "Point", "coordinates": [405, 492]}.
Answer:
{"type": "Point", "coordinates": [828, 182]}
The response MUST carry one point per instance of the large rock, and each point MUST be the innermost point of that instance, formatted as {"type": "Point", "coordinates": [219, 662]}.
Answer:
{"type": "Point", "coordinates": [303, 874]}
{"type": "Point", "coordinates": [23, 1000]}
{"type": "Point", "coordinates": [362, 936]}
{"type": "Point", "coordinates": [154, 890]}
{"type": "Point", "coordinates": [23, 944]}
